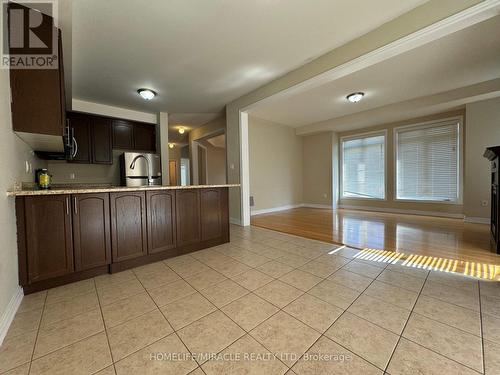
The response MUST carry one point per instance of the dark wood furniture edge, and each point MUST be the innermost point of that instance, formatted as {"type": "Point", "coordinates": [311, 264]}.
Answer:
{"type": "Point", "coordinates": [22, 253]}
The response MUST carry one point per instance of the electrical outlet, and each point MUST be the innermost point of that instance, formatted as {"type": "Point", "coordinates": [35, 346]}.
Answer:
{"type": "Point", "coordinates": [484, 203]}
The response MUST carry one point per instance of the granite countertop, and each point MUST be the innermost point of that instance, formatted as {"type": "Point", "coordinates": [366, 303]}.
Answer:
{"type": "Point", "coordinates": [108, 189]}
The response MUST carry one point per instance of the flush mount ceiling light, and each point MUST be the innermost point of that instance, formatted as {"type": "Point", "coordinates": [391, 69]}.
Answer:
{"type": "Point", "coordinates": [146, 94]}
{"type": "Point", "coordinates": [181, 130]}
{"type": "Point", "coordinates": [355, 97]}
{"type": "Point", "coordinates": [171, 145]}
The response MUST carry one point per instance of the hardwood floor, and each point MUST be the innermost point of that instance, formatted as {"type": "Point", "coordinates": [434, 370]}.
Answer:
{"type": "Point", "coordinates": [449, 244]}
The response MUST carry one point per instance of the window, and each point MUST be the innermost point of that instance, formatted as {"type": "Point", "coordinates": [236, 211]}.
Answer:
{"type": "Point", "coordinates": [427, 162]}
{"type": "Point", "coordinates": [363, 167]}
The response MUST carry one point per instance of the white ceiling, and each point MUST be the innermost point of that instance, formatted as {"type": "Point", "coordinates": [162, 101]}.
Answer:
{"type": "Point", "coordinates": [200, 55]}
{"type": "Point", "coordinates": [187, 121]}
{"type": "Point", "coordinates": [461, 59]}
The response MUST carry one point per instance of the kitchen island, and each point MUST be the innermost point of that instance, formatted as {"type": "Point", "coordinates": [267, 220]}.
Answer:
{"type": "Point", "coordinates": [70, 234]}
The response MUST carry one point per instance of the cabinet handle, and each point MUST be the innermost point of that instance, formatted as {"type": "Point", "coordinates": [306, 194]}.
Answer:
{"type": "Point", "coordinates": [67, 205]}
{"type": "Point", "coordinates": [76, 206]}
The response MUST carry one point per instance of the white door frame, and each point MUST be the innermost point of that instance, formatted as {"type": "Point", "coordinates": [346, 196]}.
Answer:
{"type": "Point", "coordinates": [244, 169]}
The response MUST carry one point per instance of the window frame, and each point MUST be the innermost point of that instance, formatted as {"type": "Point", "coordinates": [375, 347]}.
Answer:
{"type": "Point", "coordinates": [460, 158]}
{"type": "Point", "coordinates": [363, 135]}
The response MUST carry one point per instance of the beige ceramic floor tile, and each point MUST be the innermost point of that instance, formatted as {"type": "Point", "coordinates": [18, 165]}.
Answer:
{"type": "Point", "coordinates": [180, 260]}
{"type": "Point", "coordinates": [350, 279]}
{"type": "Point", "coordinates": [68, 309]}
{"type": "Point", "coordinates": [316, 313]}
{"type": "Point", "coordinates": [401, 280]}
{"type": "Point", "coordinates": [301, 280]}
{"type": "Point", "coordinates": [408, 270]}
{"type": "Point", "coordinates": [107, 371]}
{"type": "Point", "coordinates": [491, 358]}
{"type": "Point", "coordinates": [171, 292]}
{"type": "Point", "coordinates": [33, 301]}
{"type": "Point", "coordinates": [66, 332]}
{"type": "Point", "coordinates": [135, 334]}
{"type": "Point", "coordinates": [205, 279]}
{"type": "Point", "coordinates": [453, 315]}
{"type": "Point", "coordinates": [445, 340]}
{"type": "Point", "coordinates": [369, 341]}
{"type": "Point", "coordinates": [456, 296]}
{"type": "Point", "coordinates": [25, 322]}
{"type": "Point", "coordinates": [278, 293]}
{"type": "Point", "coordinates": [197, 371]}
{"type": "Point", "coordinates": [117, 291]}
{"type": "Point", "coordinates": [190, 268]}
{"type": "Point", "coordinates": [155, 280]}
{"type": "Point", "coordinates": [410, 358]}
{"type": "Point", "coordinates": [224, 293]}
{"type": "Point", "coordinates": [285, 336]}
{"type": "Point", "coordinates": [141, 362]}
{"type": "Point", "coordinates": [21, 370]}
{"type": "Point", "coordinates": [490, 305]}
{"type": "Point", "coordinates": [69, 291]}
{"type": "Point", "coordinates": [387, 316]}
{"type": "Point", "coordinates": [242, 364]}
{"type": "Point", "coordinates": [454, 280]}
{"type": "Point", "coordinates": [126, 309]}
{"type": "Point", "coordinates": [491, 328]}
{"type": "Point", "coordinates": [250, 259]}
{"type": "Point", "coordinates": [210, 334]}
{"type": "Point", "coordinates": [249, 311]}
{"type": "Point", "coordinates": [16, 351]}
{"type": "Point", "coordinates": [292, 260]}
{"type": "Point", "coordinates": [84, 357]}
{"type": "Point", "coordinates": [186, 310]}
{"type": "Point", "coordinates": [320, 269]}
{"type": "Point", "coordinates": [391, 294]}
{"type": "Point", "coordinates": [231, 268]}
{"type": "Point", "coordinates": [333, 260]}
{"type": "Point", "coordinates": [275, 269]}
{"type": "Point", "coordinates": [252, 279]}
{"type": "Point", "coordinates": [363, 268]}
{"type": "Point", "coordinates": [149, 269]}
{"type": "Point", "coordinates": [490, 288]}
{"type": "Point", "coordinates": [340, 361]}
{"type": "Point", "coordinates": [108, 279]}
{"type": "Point", "coordinates": [335, 294]}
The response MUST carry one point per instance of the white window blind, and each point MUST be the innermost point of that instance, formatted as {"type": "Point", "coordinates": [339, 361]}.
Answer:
{"type": "Point", "coordinates": [363, 167]}
{"type": "Point", "coordinates": [428, 162]}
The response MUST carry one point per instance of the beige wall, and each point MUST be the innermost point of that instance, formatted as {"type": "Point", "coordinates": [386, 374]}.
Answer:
{"type": "Point", "coordinates": [216, 165]}
{"type": "Point", "coordinates": [483, 130]}
{"type": "Point", "coordinates": [13, 154]}
{"type": "Point", "coordinates": [276, 155]}
{"type": "Point", "coordinates": [390, 203]}
{"type": "Point", "coordinates": [317, 169]}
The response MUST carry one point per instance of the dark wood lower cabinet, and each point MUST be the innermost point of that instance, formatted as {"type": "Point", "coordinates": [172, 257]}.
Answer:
{"type": "Point", "coordinates": [161, 221]}
{"type": "Point", "coordinates": [128, 225]}
{"type": "Point", "coordinates": [64, 238]}
{"type": "Point", "coordinates": [49, 242]}
{"type": "Point", "coordinates": [91, 230]}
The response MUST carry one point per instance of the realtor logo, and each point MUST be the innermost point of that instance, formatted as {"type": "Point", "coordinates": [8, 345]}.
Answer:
{"type": "Point", "coordinates": [30, 36]}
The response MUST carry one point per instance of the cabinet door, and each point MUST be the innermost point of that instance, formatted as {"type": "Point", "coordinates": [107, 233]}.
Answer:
{"type": "Point", "coordinates": [123, 135]}
{"type": "Point", "coordinates": [161, 220]}
{"type": "Point", "coordinates": [188, 216]}
{"type": "Point", "coordinates": [211, 213]}
{"type": "Point", "coordinates": [102, 149]}
{"type": "Point", "coordinates": [128, 225]}
{"type": "Point", "coordinates": [49, 242]}
{"type": "Point", "coordinates": [91, 230]}
{"type": "Point", "coordinates": [144, 137]}
{"type": "Point", "coordinates": [80, 130]}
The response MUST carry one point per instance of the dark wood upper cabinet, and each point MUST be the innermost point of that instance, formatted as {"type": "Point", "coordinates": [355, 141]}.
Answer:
{"type": "Point", "coordinates": [102, 146]}
{"type": "Point", "coordinates": [49, 242]}
{"type": "Point", "coordinates": [144, 137]}
{"type": "Point", "coordinates": [161, 220]}
{"type": "Point", "coordinates": [128, 225]}
{"type": "Point", "coordinates": [37, 99]}
{"type": "Point", "coordinates": [188, 216]}
{"type": "Point", "coordinates": [91, 230]}
{"type": "Point", "coordinates": [80, 129]}
{"type": "Point", "coordinates": [123, 135]}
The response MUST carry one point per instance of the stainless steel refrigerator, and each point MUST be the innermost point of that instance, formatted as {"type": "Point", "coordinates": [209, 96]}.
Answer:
{"type": "Point", "coordinates": [140, 169]}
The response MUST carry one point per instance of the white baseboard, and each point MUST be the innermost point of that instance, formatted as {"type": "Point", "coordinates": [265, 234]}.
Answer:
{"type": "Point", "coordinates": [10, 312]}
{"type": "Point", "coordinates": [274, 209]}
{"type": "Point", "coordinates": [402, 211]}
{"type": "Point", "coordinates": [314, 205]}
{"type": "Point", "coordinates": [477, 220]}
{"type": "Point", "coordinates": [235, 221]}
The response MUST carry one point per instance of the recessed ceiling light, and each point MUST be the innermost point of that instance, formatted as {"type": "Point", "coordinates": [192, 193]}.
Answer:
{"type": "Point", "coordinates": [355, 97]}
{"type": "Point", "coordinates": [171, 145]}
{"type": "Point", "coordinates": [146, 94]}
{"type": "Point", "coordinates": [181, 130]}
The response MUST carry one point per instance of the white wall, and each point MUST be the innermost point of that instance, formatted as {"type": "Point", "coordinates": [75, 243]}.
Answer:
{"type": "Point", "coordinates": [482, 130]}
{"type": "Point", "coordinates": [276, 155]}
{"type": "Point", "coordinates": [13, 154]}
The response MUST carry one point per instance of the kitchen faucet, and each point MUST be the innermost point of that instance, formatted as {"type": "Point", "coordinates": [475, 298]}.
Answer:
{"type": "Point", "coordinates": [148, 165]}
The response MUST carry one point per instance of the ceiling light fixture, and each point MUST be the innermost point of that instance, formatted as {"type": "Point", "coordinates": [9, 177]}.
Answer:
{"type": "Point", "coordinates": [181, 130]}
{"type": "Point", "coordinates": [146, 94]}
{"type": "Point", "coordinates": [355, 97]}
{"type": "Point", "coordinates": [171, 145]}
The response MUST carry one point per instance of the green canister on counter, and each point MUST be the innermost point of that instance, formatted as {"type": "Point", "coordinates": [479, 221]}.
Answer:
{"type": "Point", "coordinates": [43, 178]}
